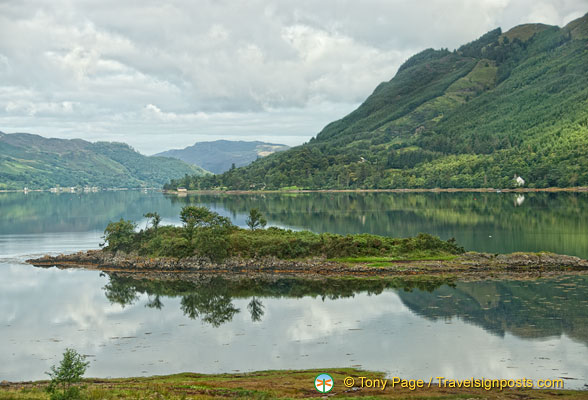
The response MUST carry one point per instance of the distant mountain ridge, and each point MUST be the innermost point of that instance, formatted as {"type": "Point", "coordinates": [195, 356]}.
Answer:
{"type": "Point", "coordinates": [218, 156]}
{"type": "Point", "coordinates": [36, 162]}
{"type": "Point", "coordinates": [505, 105]}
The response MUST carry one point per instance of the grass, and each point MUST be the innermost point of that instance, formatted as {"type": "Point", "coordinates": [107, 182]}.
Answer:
{"type": "Point", "coordinates": [264, 385]}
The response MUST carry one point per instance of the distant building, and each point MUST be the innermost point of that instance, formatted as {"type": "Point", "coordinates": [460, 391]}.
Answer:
{"type": "Point", "coordinates": [182, 190]}
{"type": "Point", "coordinates": [519, 181]}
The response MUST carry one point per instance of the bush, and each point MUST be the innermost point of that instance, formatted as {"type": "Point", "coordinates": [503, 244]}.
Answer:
{"type": "Point", "coordinates": [178, 247]}
{"type": "Point", "coordinates": [63, 378]}
{"type": "Point", "coordinates": [212, 243]}
{"type": "Point", "coordinates": [120, 235]}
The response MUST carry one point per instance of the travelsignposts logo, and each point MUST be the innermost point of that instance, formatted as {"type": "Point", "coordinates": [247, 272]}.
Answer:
{"type": "Point", "coordinates": [323, 383]}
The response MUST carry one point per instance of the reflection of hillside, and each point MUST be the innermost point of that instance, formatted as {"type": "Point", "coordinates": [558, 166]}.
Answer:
{"type": "Point", "coordinates": [70, 212]}
{"type": "Point", "coordinates": [527, 309]}
{"type": "Point", "coordinates": [362, 210]}
{"type": "Point", "coordinates": [545, 221]}
{"type": "Point", "coordinates": [469, 217]}
{"type": "Point", "coordinates": [210, 298]}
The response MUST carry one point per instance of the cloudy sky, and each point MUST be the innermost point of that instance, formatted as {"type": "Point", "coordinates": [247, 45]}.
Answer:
{"type": "Point", "coordinates": [164, 74]}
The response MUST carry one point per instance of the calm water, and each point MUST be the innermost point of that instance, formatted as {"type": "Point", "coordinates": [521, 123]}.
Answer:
{"type": "Point", "coordinates": [536, 329]}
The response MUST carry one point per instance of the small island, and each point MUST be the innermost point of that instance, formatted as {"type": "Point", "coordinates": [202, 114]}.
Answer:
{"type": "Point", "coordinates": [208, 243]}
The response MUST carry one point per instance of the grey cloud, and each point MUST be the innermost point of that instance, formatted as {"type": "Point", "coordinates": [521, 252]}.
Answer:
{"type": "Point", "coordinates": [92, 68]}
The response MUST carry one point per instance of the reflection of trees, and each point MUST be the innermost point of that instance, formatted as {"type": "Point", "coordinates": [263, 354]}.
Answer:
{"type": "Point", "coordinates": [211, 299]}
{"type": "Point", "coordinates": [77, 212]}
{"type": "Point", "coordinates": [255, 307]}
{"type": "Point", "coordinates": [459, 215]}
{"type": "Point", "coordinates": [216, 309]}
{"type": "Point", "coordinates": [528, 309]}
{"type": "Point", "coordinates": [155, 303]}
{"type": "Point", "coordinates": [469, 217]}
{"type": "Point", "coordinates": [121, 292]}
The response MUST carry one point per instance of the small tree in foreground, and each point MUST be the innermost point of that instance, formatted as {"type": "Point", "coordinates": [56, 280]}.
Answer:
{"type": "Point", "coordinates": [69, 372]}
{"type": "Point", "coordinates": [255, 219]}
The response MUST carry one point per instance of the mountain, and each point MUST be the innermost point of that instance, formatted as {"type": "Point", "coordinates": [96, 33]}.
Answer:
{"type": "Point", "coordinates": [38, 163]}
{"type": "Point", "coordinates": [220, 155]}
{"type": "Point", "coordinates": [505, 105]}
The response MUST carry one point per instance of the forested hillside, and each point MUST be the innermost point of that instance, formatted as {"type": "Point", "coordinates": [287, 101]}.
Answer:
{"type": "Point", "coordinates": [38, 163]}
{"type": "Point", "coordinates": [505, 105]}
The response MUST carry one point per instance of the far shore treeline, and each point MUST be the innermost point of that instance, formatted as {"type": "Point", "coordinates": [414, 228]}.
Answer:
{"type": "Point", "coordinates": [206, 234]}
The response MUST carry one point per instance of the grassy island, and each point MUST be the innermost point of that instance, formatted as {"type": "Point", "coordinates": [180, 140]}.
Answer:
{"type": "Point", "coordinates": [210, 243]}
{"type": "Point", "coordinates": [206, 234]}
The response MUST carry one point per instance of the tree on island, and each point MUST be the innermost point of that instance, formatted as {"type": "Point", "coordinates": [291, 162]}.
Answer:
{"type": "Point", "coordinates": [195, 217]}
{"type": "Point", "coordinates": [155, 219]}
{"type": "Point", "coordinates": [208, 230]}
{"type": "Point", "coordinates": [207, 234]}
{"type": "Point", "coordinates": [255, 219]}
{"type": "Point", "coordinates": [120, 235]}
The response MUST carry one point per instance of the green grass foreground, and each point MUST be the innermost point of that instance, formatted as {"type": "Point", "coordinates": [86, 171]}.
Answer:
{"type": "Point", "coordinates": [286, 384]}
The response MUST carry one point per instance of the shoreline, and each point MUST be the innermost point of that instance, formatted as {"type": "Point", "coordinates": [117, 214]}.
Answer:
{"type": "Point", "coordinates": [578, 189]}
{"type": "Point", "coordinates": [468, 266]}
{"type": "Point", "coordinates": [575, 189]}
{"type": "Point", "coordinates": [273, 384]}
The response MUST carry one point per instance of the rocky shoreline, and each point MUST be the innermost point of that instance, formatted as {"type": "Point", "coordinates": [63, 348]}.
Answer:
{"type": "Point", "coordinates": [467, 266]}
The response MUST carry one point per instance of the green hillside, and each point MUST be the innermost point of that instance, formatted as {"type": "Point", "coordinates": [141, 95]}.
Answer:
{"type": "Point", "coordinates": [38, 163]}
{"type": "Point", "coordinates": [507, 104]}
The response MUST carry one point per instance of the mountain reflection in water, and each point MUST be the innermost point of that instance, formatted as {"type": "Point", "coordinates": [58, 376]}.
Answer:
{"type": "Point", "coordinates": [527, 309]}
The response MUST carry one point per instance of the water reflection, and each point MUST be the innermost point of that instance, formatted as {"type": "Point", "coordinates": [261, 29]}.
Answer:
{"type": "Point", "coordinates": [303, 325]}
{"type": "Point", "coordinates": [527, 309]}
{"type": "Point", "coordinates": [131, 327]}
{"type": "Point", "coordinates": [492, 222]}
{"type": "Point", "coordinates": [210, 298]}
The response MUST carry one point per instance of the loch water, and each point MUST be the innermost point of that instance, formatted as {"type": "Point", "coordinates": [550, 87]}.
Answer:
{"type": "Point", "coordinates": [495, 329]}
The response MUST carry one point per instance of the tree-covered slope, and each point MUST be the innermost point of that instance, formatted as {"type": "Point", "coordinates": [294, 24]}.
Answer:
{"type": "Point", "coordinates": [38, 163]}
{"type": "Point", "coordinates": [507, 104]}
{"type": "Point", "coordinates": [220, 155]}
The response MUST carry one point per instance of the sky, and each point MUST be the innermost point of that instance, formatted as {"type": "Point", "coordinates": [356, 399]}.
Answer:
{"type": "Point", "coordinates": [165, 74]}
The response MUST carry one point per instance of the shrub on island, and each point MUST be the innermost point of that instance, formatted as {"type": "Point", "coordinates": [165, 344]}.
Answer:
{"type": "Point", "coordinates": [207, 234]}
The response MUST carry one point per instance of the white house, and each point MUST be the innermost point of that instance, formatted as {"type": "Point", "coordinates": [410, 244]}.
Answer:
{"type": "Point", "coordinates": [519, 181]}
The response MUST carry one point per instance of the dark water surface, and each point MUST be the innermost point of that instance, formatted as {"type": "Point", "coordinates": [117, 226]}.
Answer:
{"type": "Point", "coordinates": [494, 329]}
